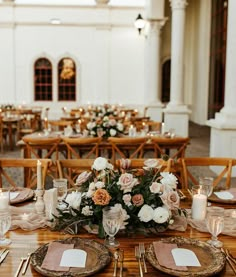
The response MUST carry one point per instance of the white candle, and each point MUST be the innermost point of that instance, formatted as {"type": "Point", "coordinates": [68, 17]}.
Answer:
{"type": "Point", "coordinates": [199, 205]}
{"type": "Point", "coordinates": [39, 175]}
{"type": "Point", "coordinates": [162, 128]}
{"type": "Point", "coordinates": [4, 201]}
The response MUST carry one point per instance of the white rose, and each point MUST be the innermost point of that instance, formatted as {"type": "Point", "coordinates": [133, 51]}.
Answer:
{"type": "Point", "coordinates": [146, 213]}
{"type": "Point", "coordinates": [91, 125]}
{"type": "Point", "coordinates": [160, 215]}
{"type": "Point", "coordinates": [86, 211]}
{"type": "Point", "coordinates": [74, 199]}
{"type": "Point", "coordinates": [113, 132]}
{"type": "Point", "coordinates": [169, 179]}
{"type": "Point", "coordinates": [120, 126]}
{"type": "Point", "coordinates": [99, 185]}
{"type": "Point", "coordinates": [100, 164]}
{"type": "Point", "coordinates": [127, 199]}
{"type": "Point", "coordinates": [155, 187]}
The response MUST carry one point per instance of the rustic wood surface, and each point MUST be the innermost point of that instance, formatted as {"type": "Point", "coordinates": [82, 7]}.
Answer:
{"type": "Point", "coordinates": [24, 242]}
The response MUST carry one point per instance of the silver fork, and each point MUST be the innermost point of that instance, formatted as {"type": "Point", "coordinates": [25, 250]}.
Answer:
{"type": "Point", "coordinates": [138, 257]}
{"type": "Point", "coordinates": [142, 253]}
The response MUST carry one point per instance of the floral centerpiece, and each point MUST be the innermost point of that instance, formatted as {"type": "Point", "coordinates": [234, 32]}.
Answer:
{"type": "Point", "coordinates": [105, 127]}
{"type": "Point", "coordinates": [146, 197]}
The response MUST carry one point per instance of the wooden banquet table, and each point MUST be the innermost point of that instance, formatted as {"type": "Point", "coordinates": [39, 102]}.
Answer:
{"type": "Point", "coordinates": [24, 242]}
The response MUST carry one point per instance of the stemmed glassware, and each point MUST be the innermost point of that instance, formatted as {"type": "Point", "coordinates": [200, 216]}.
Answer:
{"type": "Point", "coordinates": [5, 224]}
{"type": "Point", "coordinates": [5, 215]}
{"type": "Point", "coordinates": [61, 186]}
{"type": "Point", "coordinates": [215, 225]}
{"type": "Point", "coordinates": [111, 223]}
{"type": "Point", "coordinates": [207, 182]}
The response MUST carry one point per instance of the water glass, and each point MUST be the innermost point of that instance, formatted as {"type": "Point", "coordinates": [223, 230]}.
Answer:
{"type": "Point", "coordinates": [5, 215]}
{"type": "Point", "coordinates": [61, 185]}
{"type": "Point", "coordinates": [215, 225]}
{"type": "Point", "coordinates": [111, 223]}
{"type": "Point", "coordinates": [207, 182]}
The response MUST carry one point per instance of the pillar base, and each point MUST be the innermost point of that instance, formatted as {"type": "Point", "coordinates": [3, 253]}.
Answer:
{"type": "Point", "coordinates": [223, 138]}
{"type": "Point", "coordinates": [177, 118]}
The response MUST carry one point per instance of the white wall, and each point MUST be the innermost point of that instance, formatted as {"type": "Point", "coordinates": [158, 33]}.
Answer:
{"type": "Point", "coordinates": [103, 42]}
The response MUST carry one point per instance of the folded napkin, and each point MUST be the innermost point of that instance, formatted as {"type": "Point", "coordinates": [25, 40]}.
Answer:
{"type": "Point", "coordinates": [53, 257]}
{"type": "Point", "coordinates": [22, 195]}
{"type": "Point", "coordinates": [164, 256]}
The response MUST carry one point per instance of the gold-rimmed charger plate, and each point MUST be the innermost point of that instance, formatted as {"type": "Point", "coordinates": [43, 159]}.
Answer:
{"type": "Point", "coordinates": [211, 259]}
{"type": "Point", "coordinates": [98, 257]}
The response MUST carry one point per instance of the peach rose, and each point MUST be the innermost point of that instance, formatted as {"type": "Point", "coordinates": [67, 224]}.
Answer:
{"type": "Point", "coordinates": [101, 197]}
{"type": "Point", "coordinates": [138, 200]}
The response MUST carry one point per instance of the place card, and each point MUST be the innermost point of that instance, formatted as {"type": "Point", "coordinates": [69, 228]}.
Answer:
{"type": "Point", "coordinates": [225, 195]}
{"type": "Point", "coordinates": [185, 257]}
{"type": "Point", "coordinates": [74, 258]}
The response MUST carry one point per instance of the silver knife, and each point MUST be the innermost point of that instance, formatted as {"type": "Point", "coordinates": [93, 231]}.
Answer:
{"type": "Point", "coordinates": [3, 256]}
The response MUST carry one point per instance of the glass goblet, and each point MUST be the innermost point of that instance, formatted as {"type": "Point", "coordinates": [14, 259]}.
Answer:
{"type": "Point", "coordinates": [207, 182]}
{"type": "Point", "coordinates": [61, 185]}
{"type": "Point", "coordinates": [111, 221]}
{"type": "Point", "coordinates": [215, 225]}
{"type": "Point", "coordinates": [5, 224]}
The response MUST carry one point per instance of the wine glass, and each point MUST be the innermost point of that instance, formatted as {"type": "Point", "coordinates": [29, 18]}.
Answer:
{"type": "Point", "coordinates": [215, 225]}
{"type": "Point", "coordinates": [61, 185]}
{"type": "Point", "coordinates": [5, 224]}
{"type": "Point", "coordinates": [111, 223]}
{"type": "Point", "coordinates": [207, 182]}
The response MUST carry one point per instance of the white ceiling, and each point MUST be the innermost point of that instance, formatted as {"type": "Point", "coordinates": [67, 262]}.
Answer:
{"type": "Point", "coordinates": [83, 2]}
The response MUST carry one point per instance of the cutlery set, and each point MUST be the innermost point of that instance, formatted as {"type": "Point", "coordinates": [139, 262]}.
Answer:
{"type": "Point", "coordinates": [140, 256]}
{"type": "Point", "coordinates": [119, 257]}
{"type": "Point", "coordinates": [24, 262]}
{"type": "Point", "coordinates": [3, 254]}
{"type": "Point", "coordinates": [230, 259]}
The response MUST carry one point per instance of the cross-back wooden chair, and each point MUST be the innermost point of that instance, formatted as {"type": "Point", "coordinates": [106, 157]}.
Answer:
{"type": "Point", "coordinates": [223, 167]}
{"type": "Point", "coordinates": [9, 168]}
{"type": "Point", "coordinates": [28, 125]}
{"type": "Point", "coordinates": [127, 147]}
{"type": "Point", "coordinates": [71, 168]}
{"type": "Point", "coordinates": [41, 147]}
{"type": "Point", "coordinates": [139, 163]}
{"type": "Point", "coordinates": [173, 147]}
{"type": "Point", "coordinates": [84, 147]}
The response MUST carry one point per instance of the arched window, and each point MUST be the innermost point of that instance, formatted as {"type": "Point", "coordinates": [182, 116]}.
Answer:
{"type": "Point", "coordinates": [43, 80]}
{"type": "Point", "coordinates": [66, 80]}
{"type": "Point", "coordinates": [165, 92]}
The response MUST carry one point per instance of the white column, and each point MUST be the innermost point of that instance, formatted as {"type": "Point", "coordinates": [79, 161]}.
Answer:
{"type": "Point", "coordinates": [156, 20]}
{"type": "Point", "coordinates": [153, 67]}
{"type": "Point", "coordinates": [176, 113]}
{"type": "Point", "coordinates": [223, 126]}
{"type": "Point", "coordinates": [177, 52]}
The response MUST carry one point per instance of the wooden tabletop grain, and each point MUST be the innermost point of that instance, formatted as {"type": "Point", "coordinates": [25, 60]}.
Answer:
{"type": "Point", "coordinates": [24, 242]}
